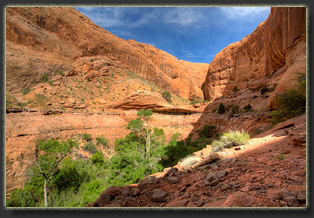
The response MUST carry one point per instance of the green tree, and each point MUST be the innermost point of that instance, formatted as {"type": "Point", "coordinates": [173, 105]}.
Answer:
{"type": "Point", "coordinates": [52, 152]}
{"type": "Point", "coordinates": [146, 115]}
{"type": "Point", "coordinates": [221, 108]}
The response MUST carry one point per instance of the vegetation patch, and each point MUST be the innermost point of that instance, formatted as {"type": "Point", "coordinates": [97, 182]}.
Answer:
{"type": "Point", "coordinates": [247, 108]}
{"type": "Point", "coordinates": [189, 160]}
{"type": "Point", "coordinates": [230, 139]}
{"type": "Point", "coordinates": [290, 103]}
{"type": "Point", "coordinates": [221, 108]}
{"type": "Point", "coordinates": [166, 95]}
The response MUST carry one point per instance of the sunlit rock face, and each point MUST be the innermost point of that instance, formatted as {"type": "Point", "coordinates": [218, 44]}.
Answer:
{"type": "Point", "coordinates": [276, 50]}
{"type": "Point", "coordinates": [45, 39]}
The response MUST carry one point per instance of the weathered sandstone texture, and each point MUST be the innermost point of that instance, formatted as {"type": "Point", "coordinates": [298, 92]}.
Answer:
{"type": "Point", "coordinates": [46, 39]}
{"type": "Point", "coordinates": [146, 100]}
{"type": "Point", "coordinates": [277, 44]}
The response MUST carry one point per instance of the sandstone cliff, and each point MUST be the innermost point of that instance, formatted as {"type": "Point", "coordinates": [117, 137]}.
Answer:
{"type": "Point", "coordinates": [46, 39]}
{"type": "Point", "coordinates": [272, 54]}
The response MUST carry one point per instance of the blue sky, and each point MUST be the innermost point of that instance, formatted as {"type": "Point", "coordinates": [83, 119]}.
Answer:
{"type": "Point", "coordinates": [194, 34]}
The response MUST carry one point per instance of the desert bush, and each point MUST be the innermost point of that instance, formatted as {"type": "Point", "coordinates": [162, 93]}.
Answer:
{"type": "Point", "coordinates": [294, 99]}
{"type": "Point", "coordinates": [247, 108]}
{"type": "Point", "coordinates": [235, 88]}
{"type": "Point", "coordinates": [290, 103]}
{"type": "Point", "coordinates": [207, 131]}
{"type": "Point", "coordinates": [90, 147]}
{"type": "Point", "coordinates": [221, 108]}
{"type": "Point", "coordinates": [102, 141]}
{"type": "Point", "coordinates": [277, 116]}
{"type": "Point", "coordinates": [87, 137]}
{"type": "Point", "coordinates": [235, 109]}
{"type": "Point", "coordinates": [45, 77]}
{"type": "Point", "coordinates": [166, 95]}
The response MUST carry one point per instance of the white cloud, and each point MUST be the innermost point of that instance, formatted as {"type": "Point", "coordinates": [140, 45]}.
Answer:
{"type": "Point", "coordinates": [104, 16]}
{"type": "Point", "coordinates": [244, 12]}
{"type": "Point", "coordinates": [182, 16]}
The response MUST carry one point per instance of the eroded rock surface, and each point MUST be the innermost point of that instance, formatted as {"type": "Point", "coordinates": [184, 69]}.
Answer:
{"type": "Point", "coordinates": [261, 175]}
{"type": "Point", "coordinates": [272, 54]}
{"type": "Point", "coordinates": [46, 39]}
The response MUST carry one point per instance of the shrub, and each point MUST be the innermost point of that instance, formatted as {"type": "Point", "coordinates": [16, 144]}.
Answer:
{"type": "Point", "coordinates": [294, 99]}
{"type": "Point", "coordinates": [207, 131]}
{"type": "Point", "coordinates": [290, 103]}
{"type": "Point", "coordinates": [214, 110]}
{"type": "Point", "coordinates": [98, 158]}
{"type": "Point", "coordinates": [21, 198]}
{"type": "Point", "coordinates": [235, 88]}
{"type": "Point", "coordinates": [102, 141]}
{"type": "Point", "coordinates": [247, 108]}
{"type": "Point", "coordinates": [61, 71]}
{"type": "Point", "coordinates": [255, 96]}
{"type": "Point", "coordinates": [87, 137]}
{"type": "Point", "coordinates": [166, 95]}
{"type": "Point", "coordinates": [264, 90]}
{"type": "Point", "coordinates": [45, 77]}
{"type": "Point", "coordinates": [221, 108]}
{"type": "Point", "coordinates": [235, 109]}
{"type": "Point", "coordinates": [91, 192]}
{"type": "Point", "coordinates": [90, 147]}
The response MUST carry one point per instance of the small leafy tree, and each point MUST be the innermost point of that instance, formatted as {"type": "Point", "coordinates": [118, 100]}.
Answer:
{"type": "Point", "coordinates": [146, 116]}
{"type": "Point", "coordinates": [52, 154]}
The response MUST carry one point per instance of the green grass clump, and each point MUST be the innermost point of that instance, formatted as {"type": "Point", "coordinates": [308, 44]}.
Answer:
{"type": "Point", "coordinates": [189, 160]}
{"type": "Point", "coordinates": [231, 138]}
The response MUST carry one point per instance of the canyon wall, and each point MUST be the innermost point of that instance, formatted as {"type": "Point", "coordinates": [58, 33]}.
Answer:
{"type": "Point", "coordinates": [273, 53]}
{"type": "Point", "coordinates": [46, 39]}
{"type": "Point", "coordinates": [25, 129]}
